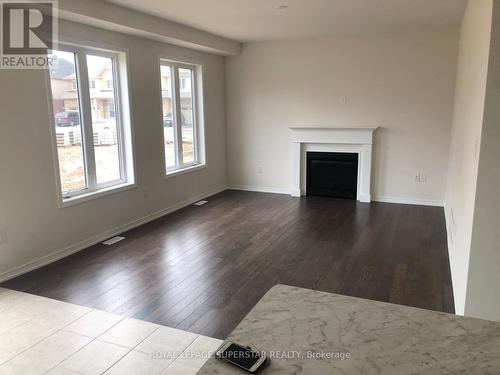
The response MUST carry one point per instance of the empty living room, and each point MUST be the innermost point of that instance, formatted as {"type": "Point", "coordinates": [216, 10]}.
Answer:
{"type": "Point", "coordinates": [249, 186]}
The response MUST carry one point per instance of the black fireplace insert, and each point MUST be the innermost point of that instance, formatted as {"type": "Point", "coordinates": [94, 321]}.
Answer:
{"type": "Point", "coordinates": [332, 174]}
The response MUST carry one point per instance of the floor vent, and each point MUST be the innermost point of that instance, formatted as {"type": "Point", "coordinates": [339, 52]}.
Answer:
{"type": "Point", "coordinates": [200, 203]}
{"type": "Point", "coordinates": [113, 240]}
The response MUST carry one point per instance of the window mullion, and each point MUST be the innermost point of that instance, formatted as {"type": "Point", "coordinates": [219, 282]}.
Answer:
{"type": "Point", "coordinates": [177, 118]}
{"type": "Point", "coordinates": [194, 91]}
{"type": "Point", "coordinates": [88, 134]}
{"type": "Point", "coordinates": [118, 118]}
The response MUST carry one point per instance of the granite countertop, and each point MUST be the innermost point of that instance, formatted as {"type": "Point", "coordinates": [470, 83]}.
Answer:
{"type": "Point", "coordinates": [356, 336]}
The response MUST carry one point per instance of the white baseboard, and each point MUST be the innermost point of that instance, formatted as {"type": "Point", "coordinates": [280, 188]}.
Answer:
{"type": "Point", "coordinates": [59, 254]}
{"type": "Point", "coordinates": [365, 198]}
{"type": "Point", "coordinates": [261, 189]}
{"type": "Point", "coordinates": [414, 201]}
{"type": "Point", "coordinates": [381, 198]}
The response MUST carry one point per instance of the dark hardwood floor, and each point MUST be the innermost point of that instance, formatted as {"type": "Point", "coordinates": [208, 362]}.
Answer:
{"type": "Point", "coordinates": [202, 269]}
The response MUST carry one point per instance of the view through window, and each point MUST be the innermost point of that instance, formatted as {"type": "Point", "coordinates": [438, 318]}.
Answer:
{"type": "Point", "coordinates": [86, 120]}
{"type": "Point", "coordinates": [67, 120]}
{"type": "Point", "coordinates": [104, 129]}
{"type": "Point", "coordinates": [180, 125]}
{"type": "Point", "coordinates": [187, 116]}
{"type": "Point", "coordinates": [168, 116]}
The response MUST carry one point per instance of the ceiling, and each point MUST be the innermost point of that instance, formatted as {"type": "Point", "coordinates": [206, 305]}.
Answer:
{"type": "Point", "coordinates": [259, 20]}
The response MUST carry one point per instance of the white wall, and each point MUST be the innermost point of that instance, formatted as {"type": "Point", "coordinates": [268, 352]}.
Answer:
{"type": "Point", "coordinates": [483, 297]}
{"type": "Point", "coordinates": [466, 134]}
{"type": "Point", "coordinates": [29, 212]}
{"type": "Point", "coordinates": [403, 82]}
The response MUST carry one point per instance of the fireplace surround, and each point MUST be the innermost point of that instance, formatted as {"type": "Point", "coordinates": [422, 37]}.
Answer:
{"type": "Point", "coordinates": [341, 140]}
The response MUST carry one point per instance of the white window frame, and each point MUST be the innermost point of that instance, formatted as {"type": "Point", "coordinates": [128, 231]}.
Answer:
{"type": "Point", "coordinates": [123, 126]}
{"type": "Point", "coordinates": [198, 116]}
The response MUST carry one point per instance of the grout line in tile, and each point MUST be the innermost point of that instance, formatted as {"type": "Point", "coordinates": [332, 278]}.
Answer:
{"type": "Point", "coordinates": [45, 338]}
{"type": "Point", "coordinates": [180, 355]}
{"type": "Point", "coordinates": [72, 354]}
{"type": "Point", "coordinates": [127, 353]}
{"type": "Point", "coordinates": [13, 328]}
{"type": "Point", "coordinates": [131, 350]}
{"type": "Point", "coordinates": [72, 371]}
{"type": "Point", "coordinates": [173, 362]}
{"type": "Point", "coordinates": [112, 343]}
{"type": "Point", "coordinates": [145, 338]}
{"type": "Point", "coordinates": [121, 320]}
{"type": "Point", "coordinates": [95, 338]}
{"type": "Point", "coordinates": [185, 349]}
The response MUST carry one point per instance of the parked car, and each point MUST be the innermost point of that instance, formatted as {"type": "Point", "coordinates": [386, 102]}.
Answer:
{"type": "Point", "coordinates": [67, 118]}
{"type": "Point", "coordinates": [168, 120]}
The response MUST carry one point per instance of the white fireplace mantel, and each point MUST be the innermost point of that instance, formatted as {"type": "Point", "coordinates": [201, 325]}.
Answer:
{"type": "Point", "coordinates": [354, 140]}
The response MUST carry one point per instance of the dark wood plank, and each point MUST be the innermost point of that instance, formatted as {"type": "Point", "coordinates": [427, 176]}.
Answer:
{"type": "Point", "coordinates": [202, 269]}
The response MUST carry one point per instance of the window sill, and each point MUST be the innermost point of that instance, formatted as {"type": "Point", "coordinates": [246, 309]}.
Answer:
{"type": "Point", "coordinates": [177, 172]}
{"type": "Point", "coordinates": [96, 194]}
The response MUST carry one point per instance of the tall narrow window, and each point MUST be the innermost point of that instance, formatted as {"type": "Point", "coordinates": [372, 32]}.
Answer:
{"type": "Point", "coordinates": [93, 145]}
{"type": "Point", "coordinates": [182, 128]}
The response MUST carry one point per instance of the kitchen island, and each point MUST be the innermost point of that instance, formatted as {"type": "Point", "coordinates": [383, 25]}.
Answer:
{"type": "Point", "coordinates": [311, 332]}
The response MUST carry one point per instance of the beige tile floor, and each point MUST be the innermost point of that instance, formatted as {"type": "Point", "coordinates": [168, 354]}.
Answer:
{"type": "Point", "coordinates": [43, 336]}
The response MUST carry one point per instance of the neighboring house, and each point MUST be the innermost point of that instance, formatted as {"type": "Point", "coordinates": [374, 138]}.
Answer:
{"type": "Point", "coordinates": [185, 93]}
{"type": "Point", "coordinates": [65, 98]}
{"type": "Point", "coordinates": [64, 90]}
{"type": "Point", "coordinates": [60, 69]}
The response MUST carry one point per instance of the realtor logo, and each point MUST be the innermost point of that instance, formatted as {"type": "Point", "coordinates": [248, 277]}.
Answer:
{"type": "Point", "coordinates": [28, 33]}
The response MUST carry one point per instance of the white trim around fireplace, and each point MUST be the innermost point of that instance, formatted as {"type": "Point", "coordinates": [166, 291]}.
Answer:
{"type": "Point", "coordinates": [355, 140]}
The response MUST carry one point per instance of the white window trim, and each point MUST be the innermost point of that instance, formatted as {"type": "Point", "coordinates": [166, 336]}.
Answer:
{"type": "Point", "coordinates": [179, 171]}
{"type": "Point", "coordinates": [97, 194]}
{"type": "Point", "coordinates": [123, 117]}
{"type": "Point", "coordinates": [198, 116]}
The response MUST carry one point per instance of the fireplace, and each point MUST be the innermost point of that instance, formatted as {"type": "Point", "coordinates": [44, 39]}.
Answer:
{"type": "Point", "coordinates": [356, 141]}
{"type": "Point", "coordinates": [332, 174]}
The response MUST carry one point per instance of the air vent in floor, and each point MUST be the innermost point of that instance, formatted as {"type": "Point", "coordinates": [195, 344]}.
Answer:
{"type": "Point", "coordinates": [200, 203]}
{"type": "Point", "coordinates": [113, 240]}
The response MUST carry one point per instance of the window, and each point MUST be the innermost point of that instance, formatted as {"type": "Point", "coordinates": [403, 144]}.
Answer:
{"type": "Point", "coordinates": [182, 115]}
{"type": "Point", "coordinates": [91, 128]}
